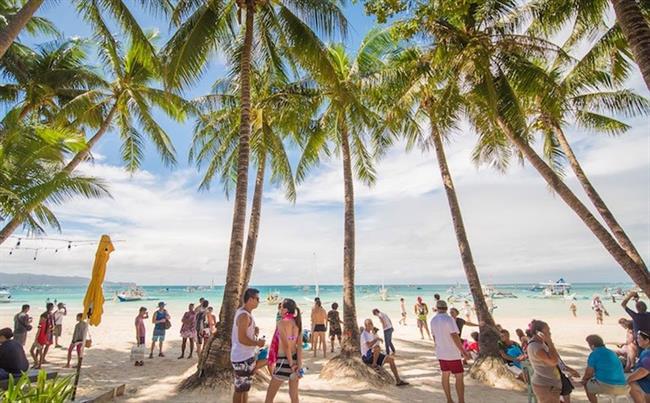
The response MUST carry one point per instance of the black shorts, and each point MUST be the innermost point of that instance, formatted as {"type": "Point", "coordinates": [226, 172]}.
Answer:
{"type": "Point", "coordinates": [320, 328]}
{"type": "Point", "coordinates": [335, 331]}
{"type": "Point", "coordinates": [367, 358]}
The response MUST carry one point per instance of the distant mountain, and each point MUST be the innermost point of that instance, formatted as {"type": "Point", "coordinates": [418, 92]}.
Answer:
{"type": "Point", "coordinates": [12, 279]}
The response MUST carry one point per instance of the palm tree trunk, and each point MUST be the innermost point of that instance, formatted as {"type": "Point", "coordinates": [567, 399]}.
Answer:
{"type": "Point", "coordinates": [350, 324]}
{"type": "Point", "coordinates": [640, 276]}
{"type": "Point", "coordinates": [215, 359]}
{"type": "Point", "coordinates": [598, 202]}
{"type": "Point", "coordinates": [17, 220]}
{"type": "Point", "coordinates": [637, 33]}
{"type": "Point", "coordinates": [489, 336]}
{"type": "Point", "coordinates": [253, 227]}
{"type": "Point", "coordinates": [16, 24]}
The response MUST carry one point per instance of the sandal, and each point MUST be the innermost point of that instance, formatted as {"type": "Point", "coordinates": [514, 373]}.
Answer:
{"type": "Point", "coordinates": [402, 383]}
{"type": "Point", "coordinates": [161, 355]}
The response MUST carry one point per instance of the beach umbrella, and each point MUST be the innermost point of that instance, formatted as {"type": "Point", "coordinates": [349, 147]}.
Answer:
{"type": "Point", "coordinates": [94, 299]}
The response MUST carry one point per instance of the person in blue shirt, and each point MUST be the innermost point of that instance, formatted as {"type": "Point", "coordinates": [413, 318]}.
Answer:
{"type": "Point", "coordinates": [604, 373]}
{"type": "Point", "coordinates": [639, 380]}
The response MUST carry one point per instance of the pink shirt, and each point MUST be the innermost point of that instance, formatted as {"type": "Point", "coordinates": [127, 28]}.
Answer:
{"type": "Point", "coordinates": [139, 326]}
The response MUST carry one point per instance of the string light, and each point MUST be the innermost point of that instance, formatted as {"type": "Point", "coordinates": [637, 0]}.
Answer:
{"type": "Point", "coordinates": [18, 243]}
{"type": "Point", "coordinates": [35, 254]}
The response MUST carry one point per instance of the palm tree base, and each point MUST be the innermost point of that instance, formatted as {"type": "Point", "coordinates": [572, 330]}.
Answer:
{"type": "Point", "coordinates": [343, 368]}
{"type": "Point", "coordinates": [493, 372]}
{"type": "Point", "coordinates": [214, 370]}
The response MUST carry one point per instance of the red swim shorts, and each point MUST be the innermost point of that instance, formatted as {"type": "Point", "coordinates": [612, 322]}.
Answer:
{"type": "Point", "coordinates": [453, 366]}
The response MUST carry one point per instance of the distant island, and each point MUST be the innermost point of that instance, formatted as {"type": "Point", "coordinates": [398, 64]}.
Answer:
{"type": "Point", "coordinates": [14, 279]}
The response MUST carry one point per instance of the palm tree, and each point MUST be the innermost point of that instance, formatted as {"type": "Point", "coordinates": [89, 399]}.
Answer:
{"type": "Point", "coordinates": [203, 28]}
{"type": "Point", "coordinates": [31, 176]}
{"type": "Point", "coordinates": [131, 95]}
{"type": "Point", "coordinates": [345, 123]}
{"type": "Point", "coordinates": [589, 17]}
{"type": "Point", "coordinates": [583, 92]}
{"type": "Point", "coordinates": [16, 22]}
{"type": "Point", "coordinates": [279, 109]}
{"type": "Point", "coordinates": [416, 88]}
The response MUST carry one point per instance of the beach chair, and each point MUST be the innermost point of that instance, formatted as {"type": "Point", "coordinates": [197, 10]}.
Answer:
{"type": "Point", "coordinates": [528, 373]}
{"type": "Point", "coordinates": [619, 396]}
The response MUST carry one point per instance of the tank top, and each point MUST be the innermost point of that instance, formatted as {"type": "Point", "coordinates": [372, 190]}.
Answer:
{"type": "Point", "coordinates": [240, 352]}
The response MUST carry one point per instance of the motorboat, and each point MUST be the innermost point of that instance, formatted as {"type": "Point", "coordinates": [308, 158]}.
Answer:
{"type": "Point", "coordinates": [497, 294]}
{"type": "Point", "coordinates": [132, 294]}
{"type": "Point", "coordinates": [614, 294]}
{"type": "Point", "coordinates": [559, 288]}
{"type": "Point", "coordinates": [5, 295]}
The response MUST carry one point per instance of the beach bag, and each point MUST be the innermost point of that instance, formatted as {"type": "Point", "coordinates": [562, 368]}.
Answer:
{"type": "Point", "coordinates": [137, 353]}
{"type": "Point", "coordinates": [88, 343]}
{"type": "Point", "coordinates": [567, 386]}
{"type": "Point", "coordinates": [168, 324]}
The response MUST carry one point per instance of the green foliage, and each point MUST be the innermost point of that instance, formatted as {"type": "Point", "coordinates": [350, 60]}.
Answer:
{"type": "Point", "coordinates": [57, 390]}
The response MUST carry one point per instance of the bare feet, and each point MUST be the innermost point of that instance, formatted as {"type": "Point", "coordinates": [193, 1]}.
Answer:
{"type": "Point", "coordinates": [67, 366]}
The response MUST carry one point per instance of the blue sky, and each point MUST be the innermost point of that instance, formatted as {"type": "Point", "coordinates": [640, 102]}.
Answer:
{"type": "Point", "coordinates": [518, 229]}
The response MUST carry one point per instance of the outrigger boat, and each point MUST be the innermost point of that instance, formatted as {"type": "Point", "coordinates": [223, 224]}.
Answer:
{"type": "Point", "coordinates": [559, 288]}
{"type": "Point", "coordinates": [5, 295]}
{"type": "Point", "coordinates": [132, 294]}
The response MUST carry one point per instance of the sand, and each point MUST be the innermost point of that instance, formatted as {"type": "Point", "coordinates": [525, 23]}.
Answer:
{"type": "Point", "coordinates": [107, 363]}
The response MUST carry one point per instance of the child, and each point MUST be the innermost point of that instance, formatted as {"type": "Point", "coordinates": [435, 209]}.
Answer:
{"type": "Point", "coordinates": [472, 347]}
{"type": "Point", "coordinates": [78, 339]}
{"type": "Point", "coordinates": [140, 331]}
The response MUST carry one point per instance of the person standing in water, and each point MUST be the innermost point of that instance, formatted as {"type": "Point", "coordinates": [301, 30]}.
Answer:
{"type": "Point", "coordinates": [288, 366]}
{"type": "Point", "coordinates": [421, 311]}
{"type": "Point", "coordinates": [244, 345]}
{"type": "Point", "coordinates": [318, 327]}
{"type": "Point", "coordinates": [402, 321]}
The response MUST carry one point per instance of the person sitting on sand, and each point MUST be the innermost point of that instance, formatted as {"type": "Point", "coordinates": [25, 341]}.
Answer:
{"type": "Point", "coordinates": [371, 351]}
{"type": "Point", "coordinates": [472, 346]}
{"type": "Point", "coordinates": [22, 325]}
{"type": "Point", "coordinates": [160, 320]}
{"type": "Point", "coordinates": [628, 350]}
{"type": "Point", "coordinates": [640, 318]}
{"type": "Point", "coordinates": [604, 373]}
{"type": "Point", "coordinates": [334, 321]}
{"type": "Point", "coordinates": [639, 380]}
{"type": "Point", "coordinates": [523, 339]}
{"type": "Point", "coordinates": [544, 358]}
{"type": "Point", "coordinates": [512, 353]}
{"type": "Point", "coordinates": [288, 352]}
{"type": "Point", "coordinates": [78, 339]}
{"type": "Point", "coordinates": [449, 351]}
{"type": "Point", "coordinates": [244, 345]}
{"type": "Point", "coordinates": [318, 327]}
{"type": "Point", "coordinates": [12, 355]}
{"type": "Point", "coordinates": [387, 326]}
{"type": "Point", "coordinates": [421, 311]}
{"type": "Point", "coordinates": [188, 331]}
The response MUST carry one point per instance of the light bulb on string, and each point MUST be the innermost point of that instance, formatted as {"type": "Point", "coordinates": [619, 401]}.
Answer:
{"type": "Point", "coordinates": [69, 245]}
{"type": "Point", "coordinates": [18, 243]}
{"type": "Point", "coordinates": [56, 251]}
{"type": "Point", "coordinates": [11, 252]}
{"type": "Point", "coordinates": [35, 254]}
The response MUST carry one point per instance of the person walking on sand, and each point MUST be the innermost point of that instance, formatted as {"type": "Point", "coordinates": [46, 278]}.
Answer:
{"type": "Point", "coordinates": [421, 311]}
{"type": "Point", "coordinates": [402, 308]}
{"type": "Point", "coordinates": [140, 332]}
{"type": "Point", "coordinates": [60, 312]}
{"type": "Point", "coordinates": [78, 339]}
{"type": "Point", "coordinates": [544, 358]}
{"type": "Point", "coordinates": [22, 325]}
{"type": "Point", "coordinates": [244, 345]}
{"type": "Point", "coordinates": [387, 325]}
{"type": "Point", "coordinates": [161, 321]}
{"type": "Point", "coordinates": [288, 365]}
{"type": "Point", "coordinates": [318, 327]}
{"type": "Point", "coordinates": [573, 308]}
{"type": "Point", "coordinates": [188, 331]}
{"type": "Point", "coordinates": [40, 341]}
{"type": "Point", "coordinates": [47, 339]}
{"type": "Point", "coordinates": [449, 351]}
{"type": "Point", "coordinates": [334, 321]}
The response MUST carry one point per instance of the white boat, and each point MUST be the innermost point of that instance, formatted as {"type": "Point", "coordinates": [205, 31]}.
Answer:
{"type": "Point", "coordinates": [132, 294]}
{"type": "Point", "coordinates": [496, 294]}
{"type": "Point", "coordinates": [273, 298]}
{"type": "Point", "coordinates": [5, 295]}
{"type": "Point", "coordinates": [559, 288]}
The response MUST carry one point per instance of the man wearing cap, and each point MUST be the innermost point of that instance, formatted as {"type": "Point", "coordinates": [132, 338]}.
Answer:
{"type": "Point", "coordinates": [12, 355]}
{"type": "Point", "coordinates": [449, 350]}
{"type": "Point", "coordinates": [161, 321]}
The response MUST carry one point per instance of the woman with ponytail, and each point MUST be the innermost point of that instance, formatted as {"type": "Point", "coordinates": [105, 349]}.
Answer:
{"type": "Point", "coordinates": [288, 352]}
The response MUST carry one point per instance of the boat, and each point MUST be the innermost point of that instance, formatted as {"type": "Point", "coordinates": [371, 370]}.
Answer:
{"type": "Point", "coordinates": [497, 294]}
{"type": "Point", "coordinates": [5, 295]}
{"type": "Point", "coordinates": [614, 294]}
{"type": "Point", "coordinates": [273, 298]}
{"type": "Point", "coordinates": [559, 288]}
{"type": "Point", "coordinates": [132, 294]}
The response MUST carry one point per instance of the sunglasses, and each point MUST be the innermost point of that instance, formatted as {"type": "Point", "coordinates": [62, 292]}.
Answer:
{"type": "Point", "coordinates": [644, 334]}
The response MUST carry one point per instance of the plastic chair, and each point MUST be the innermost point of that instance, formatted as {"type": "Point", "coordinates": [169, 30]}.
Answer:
{"type": "Point", "coordinates": [615, 398]}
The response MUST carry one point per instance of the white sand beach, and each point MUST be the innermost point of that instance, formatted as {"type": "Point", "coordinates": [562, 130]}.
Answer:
{"type": "Point", "coordinates": [107, 363]}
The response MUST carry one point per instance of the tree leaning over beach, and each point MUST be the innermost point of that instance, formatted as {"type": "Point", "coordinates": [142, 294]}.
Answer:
{"type": "Point", "coordinates": [130, 96]}
{"type": "Point", "coordinates": [202, 30]}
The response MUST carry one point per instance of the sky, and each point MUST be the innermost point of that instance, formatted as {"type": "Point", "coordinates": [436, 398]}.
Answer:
{"type": "Point", "coordinates": [171, 233]}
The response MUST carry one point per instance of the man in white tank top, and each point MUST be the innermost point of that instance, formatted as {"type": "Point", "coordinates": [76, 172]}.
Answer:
{"type": "Point", "coordinates": [244, 344]}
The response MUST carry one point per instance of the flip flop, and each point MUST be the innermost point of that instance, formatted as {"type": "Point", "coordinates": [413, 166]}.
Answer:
{"type": "Point", "coordinates": [402, 383]}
